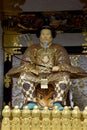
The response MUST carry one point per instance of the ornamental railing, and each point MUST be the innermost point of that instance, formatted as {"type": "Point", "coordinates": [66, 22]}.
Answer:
{"type": "Point", "coordinates": [16, 119]}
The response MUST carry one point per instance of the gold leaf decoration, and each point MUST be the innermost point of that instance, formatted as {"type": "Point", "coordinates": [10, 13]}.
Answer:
{"type": "Point", "coordinates": [7, 81]}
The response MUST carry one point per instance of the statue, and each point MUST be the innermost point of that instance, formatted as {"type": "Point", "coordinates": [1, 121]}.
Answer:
{"type": "Point", "coordinates": [45, 66]}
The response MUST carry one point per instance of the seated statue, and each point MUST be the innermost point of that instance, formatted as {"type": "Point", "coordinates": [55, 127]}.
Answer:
{"type": "Point", "coordinates": [45, 72]}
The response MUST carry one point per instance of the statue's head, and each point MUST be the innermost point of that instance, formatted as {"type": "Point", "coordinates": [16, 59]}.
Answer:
{"type": "Point", "coordinates": [46, 27]}
{"type": "Point", "coordinates": [46, 34]}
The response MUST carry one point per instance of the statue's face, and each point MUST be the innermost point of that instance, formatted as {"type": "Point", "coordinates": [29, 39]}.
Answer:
{"type": "Point", "coordinates": [46, 37]}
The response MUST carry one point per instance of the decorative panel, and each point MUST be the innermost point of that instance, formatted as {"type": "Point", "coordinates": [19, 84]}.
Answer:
{"type": "Point", "coordinates": [62, 21]}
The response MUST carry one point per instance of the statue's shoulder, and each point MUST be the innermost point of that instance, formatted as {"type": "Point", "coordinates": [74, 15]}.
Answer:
{"type": "Point", "coordinates": [32, 47]}
{"type": "Point", "coordinates": [57, 46]}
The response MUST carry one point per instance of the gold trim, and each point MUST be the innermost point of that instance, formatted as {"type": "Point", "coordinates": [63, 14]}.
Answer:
{"type": "Point", "coordinates": [84, 45]}
{"type": "Point", "coordinates": [9, 52]}
{"type": "Point", "coordinates": [7, 81]}
{"type": "Point", "coordinates": [11, 39]}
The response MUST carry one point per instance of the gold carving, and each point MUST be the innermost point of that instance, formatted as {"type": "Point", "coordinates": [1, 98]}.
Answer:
{"type": "Point", "coordinates": [76, 119]}
{"type": "Point", "coordinates": [85, 119]}
{"type": "Point", "coordinates": [7, 81]}
{"type": "Point", "coordinates": [16, 118]}
{"type": "Point", "coordinates": [84, 45]}
{"type": "Point", "coordinates": [12, 6]}
{"type": "Point", "coordinates": [6, 118]}
{"type": "Point", "coordinates": [7, 56]}
{"type": "Point", "coordinates": [56, 119]}
{"type": "Point", "coordinates": [11, 39]}
{"type": "Point", "coordinates": [36, 119]}
{"type": "Point", "coordinates": [26, 118]}
{"type": "Point", "coordinates": [66, 119]}
{"type": "Point", "coordinates": [11, 44]}
{"type": "Point", "coordinates": [46, 119]}
{"type": "Point", "coordinates": [9, 52]}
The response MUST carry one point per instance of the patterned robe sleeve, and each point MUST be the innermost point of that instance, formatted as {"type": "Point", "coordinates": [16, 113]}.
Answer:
{"type": "Point", "coordinates": [62, 60]}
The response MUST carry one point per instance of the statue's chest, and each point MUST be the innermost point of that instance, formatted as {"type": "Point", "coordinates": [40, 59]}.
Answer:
{"type": "Point", "coordinates": [45, 57]}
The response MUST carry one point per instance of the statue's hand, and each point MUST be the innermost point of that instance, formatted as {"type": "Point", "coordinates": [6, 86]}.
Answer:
{"type": "Point", "coordinates": [56, 68]}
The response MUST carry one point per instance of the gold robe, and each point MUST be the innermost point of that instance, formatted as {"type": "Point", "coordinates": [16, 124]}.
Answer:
{"type": "Point", "coordinates": [38, 62]}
